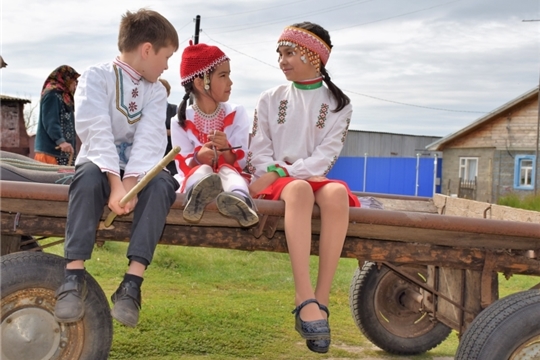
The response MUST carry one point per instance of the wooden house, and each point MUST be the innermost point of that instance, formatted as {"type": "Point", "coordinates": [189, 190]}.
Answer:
{"type": "Point", "coordinates": [495, 155]}
{"type": "Point", "coordinates": [13, 128]}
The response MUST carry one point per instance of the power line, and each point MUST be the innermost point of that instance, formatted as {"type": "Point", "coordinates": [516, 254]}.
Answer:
{"type": "Point", "coordinates": [256, 10]}
{"type": "Point", "coordinates": [349, 91]}
{"type": "Point", "coordinates": [281, 20]}
{"type": "Point", "coordinates": [396, 16]}
{"type": "Point", "coordinates": [418, 106]}
{"type": "Point", "coordinates": [228, 47]}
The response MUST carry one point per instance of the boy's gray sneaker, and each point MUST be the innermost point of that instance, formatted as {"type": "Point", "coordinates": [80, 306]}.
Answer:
{"type": "Point", "coordinates": [240, 207]}
{"type": "Point", "coordinates": [201, 194]}
{"type": "Point", "coordinates": [70, 298]}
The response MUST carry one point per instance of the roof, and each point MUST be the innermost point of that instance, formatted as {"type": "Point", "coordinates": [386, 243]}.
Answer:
{"type": "Point", "coordinates": [11, 98]}
{"type": "Point", "coordinates": [440, 144]}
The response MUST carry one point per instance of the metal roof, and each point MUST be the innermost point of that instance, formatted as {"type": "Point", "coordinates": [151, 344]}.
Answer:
{"type": "Point", "coordinates": [439, 144]}
{"type": "Point", "coordinates": [11, 98]}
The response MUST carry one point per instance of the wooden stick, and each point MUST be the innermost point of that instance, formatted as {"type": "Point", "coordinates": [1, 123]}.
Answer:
{"type": "Point", "coordinates": [141, 184]}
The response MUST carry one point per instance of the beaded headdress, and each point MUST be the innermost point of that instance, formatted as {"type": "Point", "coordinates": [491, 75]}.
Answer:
{"type": "Point", "coordinates": [198, 60]}
{"type": "Point", "coordinates": [308, 43]}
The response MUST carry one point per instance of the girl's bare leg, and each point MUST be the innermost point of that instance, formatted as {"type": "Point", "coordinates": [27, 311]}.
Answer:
{"type": "Point", "coordinates": [334, 204]}
{"type": "Point", "coordinates": [299, 199]}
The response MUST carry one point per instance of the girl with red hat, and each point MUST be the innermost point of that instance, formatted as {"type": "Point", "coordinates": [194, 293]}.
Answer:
{"type": "Point", "coordinates": [293, 168]}
{"type": "Point", "coordinates": [213, 136]}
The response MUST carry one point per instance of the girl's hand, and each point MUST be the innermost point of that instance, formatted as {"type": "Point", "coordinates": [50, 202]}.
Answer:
{"type": "Point", "coordinates": [206, 153]}
{"type": "Point", "coordinates": [219, 139]}
{"type": "Point", "coordinates": [262, 183]}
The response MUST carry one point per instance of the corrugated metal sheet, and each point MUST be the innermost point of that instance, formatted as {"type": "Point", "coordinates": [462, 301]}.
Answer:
{"type": "Point", "coordinates": [379, 144]}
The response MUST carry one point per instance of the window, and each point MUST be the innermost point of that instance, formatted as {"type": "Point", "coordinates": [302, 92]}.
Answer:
{"type": "Point", "coordinates": [468, 168]}
{"type": "Point", "coordinates": [524, 172]}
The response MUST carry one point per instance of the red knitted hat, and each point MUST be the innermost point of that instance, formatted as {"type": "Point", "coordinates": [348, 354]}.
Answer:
{"type": "Point", "coordinates": [199, 59]}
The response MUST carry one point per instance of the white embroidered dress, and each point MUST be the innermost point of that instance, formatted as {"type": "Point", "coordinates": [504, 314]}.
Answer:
{"type": "Point", "coordinates": [295, 129]}
{"type": "Point", "coordinates": [229, 118]}
{"type": "Point", "coordinates": [120, 119]}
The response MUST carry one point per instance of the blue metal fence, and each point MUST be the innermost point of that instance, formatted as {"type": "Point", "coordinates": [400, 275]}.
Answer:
{"type": "Point", "coordinates": [389, 175]}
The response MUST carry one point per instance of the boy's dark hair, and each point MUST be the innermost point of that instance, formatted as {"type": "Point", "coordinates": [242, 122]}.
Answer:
{"type": "Point", "coordinates": [146, 26]}
{"type": "Point", "coordinates": [341, 98]}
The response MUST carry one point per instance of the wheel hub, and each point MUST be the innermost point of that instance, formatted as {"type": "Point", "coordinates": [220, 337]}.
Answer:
{"type": "Point", "coordinates": [529, 350]}
{"type": "Point", "coordinates": [32, 333]}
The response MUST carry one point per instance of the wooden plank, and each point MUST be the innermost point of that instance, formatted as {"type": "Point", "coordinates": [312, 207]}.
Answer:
{"type": "Point", "coordinates": [477, 209]}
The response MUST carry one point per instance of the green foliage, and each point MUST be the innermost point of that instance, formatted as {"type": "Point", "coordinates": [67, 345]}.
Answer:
{"type": "Point", "coordinates": [529, 202]}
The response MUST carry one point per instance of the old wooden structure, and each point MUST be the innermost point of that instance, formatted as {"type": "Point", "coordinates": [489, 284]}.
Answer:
{"type": "Point", "coordinates": [499, 150]}
{"type": "Point", "coordinates": [13, 127]}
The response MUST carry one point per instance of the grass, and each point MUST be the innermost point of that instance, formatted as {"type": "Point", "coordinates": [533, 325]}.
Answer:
{"type": "Point", "coordinates": [529, 202]}
{"type": "Point", "coordinates": [201, 303]}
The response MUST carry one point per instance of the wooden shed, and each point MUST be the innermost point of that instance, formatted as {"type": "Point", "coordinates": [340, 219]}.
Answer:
{"type": "Point", "coordinates": [13, 128]}
{"type": "Point", "coordinates": [495, 155]}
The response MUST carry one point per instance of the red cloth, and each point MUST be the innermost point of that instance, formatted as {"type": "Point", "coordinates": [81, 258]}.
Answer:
{"type": "Point", "coordinates": [273, 191]}
{"type": "Point", "coordinates": [199, 59]}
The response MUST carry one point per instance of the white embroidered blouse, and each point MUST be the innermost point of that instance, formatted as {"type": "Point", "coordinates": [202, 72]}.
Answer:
{"type": "Point", "coordinates": [295, 129]}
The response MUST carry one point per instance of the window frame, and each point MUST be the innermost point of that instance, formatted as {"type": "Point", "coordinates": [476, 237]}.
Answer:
{"type": "Point", "coordinates": [517, 172]}
{"type": "Point", "coordinates": [467, 158]}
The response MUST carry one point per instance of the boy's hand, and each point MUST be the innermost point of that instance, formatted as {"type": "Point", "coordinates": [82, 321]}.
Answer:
{"type": "Point", "coordinates": [129, 183]}
{"type": "Point", "coordinates": [118, 191]}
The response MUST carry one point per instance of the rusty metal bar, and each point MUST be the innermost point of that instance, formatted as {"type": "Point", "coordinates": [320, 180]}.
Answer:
{"type": "Point", "coordinates": [424, 286]}
{"type": "Point", "coordinates": [483, 227]}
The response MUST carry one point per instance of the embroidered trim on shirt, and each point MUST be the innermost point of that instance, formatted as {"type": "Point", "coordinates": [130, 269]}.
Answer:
{"type": "Point", "coordinates": [207, 123]}
{"type": "Point", "coordinates": [120, 105]}
{"type": "Point", "coordinates": [282, 113]}
{"type": "Point", "coordinates": [323, 112]}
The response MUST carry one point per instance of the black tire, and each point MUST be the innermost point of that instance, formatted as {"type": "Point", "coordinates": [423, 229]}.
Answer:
{"type": "Point", "coordinates": [507, 329]}
{"type": "Point", "coordinates": [374, 299]}
{"type": "Point", "coordinates": [28, 284]}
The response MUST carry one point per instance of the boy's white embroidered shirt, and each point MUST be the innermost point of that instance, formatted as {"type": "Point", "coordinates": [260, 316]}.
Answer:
{"type": "Point", "coordinates": [120, 119]}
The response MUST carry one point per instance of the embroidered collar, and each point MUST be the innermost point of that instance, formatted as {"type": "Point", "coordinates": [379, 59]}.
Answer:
{"type": "Point", "coordinates": [308, 84]}
{"type": "Point", "coordinates": [133, 74]}
{"type": "Point", "coordinates": [205, 115]}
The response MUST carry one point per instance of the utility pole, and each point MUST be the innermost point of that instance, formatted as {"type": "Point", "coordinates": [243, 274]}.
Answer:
{"type": "Point", "coordinates": [195, 42]}
{"type": "Point", "coordinates": [197, 29]}
{"type": "Point", "coordinates": [537, 152]}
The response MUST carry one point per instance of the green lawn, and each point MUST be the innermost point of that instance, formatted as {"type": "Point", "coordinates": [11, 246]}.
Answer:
{"type": "Point", "coordinates": [203, 303]}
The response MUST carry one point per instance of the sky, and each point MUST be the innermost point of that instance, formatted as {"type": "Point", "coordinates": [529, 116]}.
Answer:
{"type": "Point", "coordinates": [419, 67]}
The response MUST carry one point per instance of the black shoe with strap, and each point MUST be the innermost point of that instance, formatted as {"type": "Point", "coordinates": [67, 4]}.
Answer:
{"type": "Point", "coordinates": [320, 346]}
{"type": "Point", "coordinates": [311, 330]}
{"type": "Point", "coordinates": [70, 298]}
{"type": "Point", "coordinates": [127, 303]}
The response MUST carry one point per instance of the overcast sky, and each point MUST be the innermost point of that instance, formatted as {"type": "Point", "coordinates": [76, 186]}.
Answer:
{"type": "Point", "coordinates": [421, 67]}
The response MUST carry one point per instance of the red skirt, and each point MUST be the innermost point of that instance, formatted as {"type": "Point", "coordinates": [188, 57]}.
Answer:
{"type": "Point", "coordinates": [273, 191]}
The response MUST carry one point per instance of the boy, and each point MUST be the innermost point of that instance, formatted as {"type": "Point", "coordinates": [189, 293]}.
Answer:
{"type": "Point", "coordinates": [120, 120]}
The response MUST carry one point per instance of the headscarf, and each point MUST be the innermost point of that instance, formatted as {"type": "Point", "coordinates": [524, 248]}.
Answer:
{"type": "Point", "coordinates": [60, 80]}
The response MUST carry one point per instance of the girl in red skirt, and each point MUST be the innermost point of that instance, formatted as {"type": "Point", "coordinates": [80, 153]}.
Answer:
{"type": "Point", "coordinates": [298, 132]}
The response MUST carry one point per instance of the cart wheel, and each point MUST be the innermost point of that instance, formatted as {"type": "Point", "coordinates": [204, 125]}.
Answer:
{"type": "Point", "coordinates": [507, 329]}
{"type": "Point", "coordinates": [28, 284]}
{"type": "Point", "coordinates": [376, 301]}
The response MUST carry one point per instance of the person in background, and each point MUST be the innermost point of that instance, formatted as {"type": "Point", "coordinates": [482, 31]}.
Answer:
{"type": "Point", "coordinates": [213, 136]}
{"type": "Point", "coordinates": [120, 119]}
{"type": "Point", "coordinates": [171, 112]}
{"type": "Point", "coordinates": [298, 133]}
{"type": "Point", "coordinates": [56, 139]}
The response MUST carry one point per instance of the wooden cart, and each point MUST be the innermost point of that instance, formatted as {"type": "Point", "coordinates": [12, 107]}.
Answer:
{"type": "Point", "coordinates": [426, 266]}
